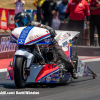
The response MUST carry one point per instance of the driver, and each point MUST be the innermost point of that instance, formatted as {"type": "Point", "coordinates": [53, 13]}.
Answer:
{"type": "Point", "coordinates": [23, 19]}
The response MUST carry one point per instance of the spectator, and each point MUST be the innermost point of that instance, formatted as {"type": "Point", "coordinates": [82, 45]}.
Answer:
{"type": "Point", "coordinates": [38, 4]}
{"type": "Point", "coordinates": [47, 11]}
{"type": "Point", "coordinates": [77, 10]}
{"type": "Point", "coordinates": [60, 13]}
{"type": "Point", "coordinates": [61, 8]}
{"type": "Point", "coordinates": [94, 19]}
{"type": "Point", "coordinates": [19, 5]}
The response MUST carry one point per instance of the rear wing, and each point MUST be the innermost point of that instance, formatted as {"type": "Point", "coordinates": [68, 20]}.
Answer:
{"type": "Point", "coordinates": [64, 39]}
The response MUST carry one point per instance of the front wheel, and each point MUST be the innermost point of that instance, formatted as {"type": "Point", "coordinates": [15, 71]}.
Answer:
{"type": "Point", "coordinates": [20, 76]}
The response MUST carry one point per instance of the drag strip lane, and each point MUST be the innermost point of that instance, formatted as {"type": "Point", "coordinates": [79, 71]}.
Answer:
{"type": "Point", "coordinates": [84, 88]}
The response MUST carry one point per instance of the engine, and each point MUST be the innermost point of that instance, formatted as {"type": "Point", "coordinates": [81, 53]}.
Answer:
{"type": "Point", "coordinates": [43, 53]}
{"type": "Point", "coordinates": [48, 53]}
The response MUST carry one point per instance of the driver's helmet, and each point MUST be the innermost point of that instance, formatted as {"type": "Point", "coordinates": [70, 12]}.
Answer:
{"type": "Point", "coordinates": [22, 19]}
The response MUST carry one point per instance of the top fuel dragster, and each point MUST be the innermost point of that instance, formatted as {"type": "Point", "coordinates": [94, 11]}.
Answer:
{"type": "Point", "coordinates": [35, 60]}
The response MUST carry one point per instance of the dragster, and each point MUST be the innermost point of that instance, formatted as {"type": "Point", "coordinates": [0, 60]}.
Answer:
{"type": "Point", "coordinates": [35, 61]}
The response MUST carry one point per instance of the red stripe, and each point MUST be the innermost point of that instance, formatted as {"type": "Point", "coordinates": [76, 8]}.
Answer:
{"type": "Point", "coordinates": [48, 68]}
{"type": "Point", "coordinates": [13, 35]}
{"type": "Point", "coordinates": [67, 53]}
{"type": "Point", "coordinates": [36, 39]}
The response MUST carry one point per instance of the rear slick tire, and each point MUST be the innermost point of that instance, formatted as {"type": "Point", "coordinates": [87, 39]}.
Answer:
{"type": "Point", "coordinates": [20, 82]}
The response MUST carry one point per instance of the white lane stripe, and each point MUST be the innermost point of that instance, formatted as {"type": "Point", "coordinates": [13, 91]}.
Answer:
{"type": "Point", "coordinates": [3, 70]}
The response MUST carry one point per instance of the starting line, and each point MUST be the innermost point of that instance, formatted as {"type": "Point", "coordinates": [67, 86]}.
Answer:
{"type": "Point", "coordinates": [5, 62]}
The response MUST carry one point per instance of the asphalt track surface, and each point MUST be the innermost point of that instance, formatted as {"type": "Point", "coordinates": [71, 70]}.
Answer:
{"type": "Point", "coordinates": [84, 88]}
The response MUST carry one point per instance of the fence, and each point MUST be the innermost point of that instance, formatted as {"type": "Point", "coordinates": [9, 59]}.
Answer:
{"type": "Point", "coordinates": [7, 18]}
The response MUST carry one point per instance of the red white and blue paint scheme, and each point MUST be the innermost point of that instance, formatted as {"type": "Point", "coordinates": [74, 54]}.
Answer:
{"type": "Point", "coordinates": [48, 73]}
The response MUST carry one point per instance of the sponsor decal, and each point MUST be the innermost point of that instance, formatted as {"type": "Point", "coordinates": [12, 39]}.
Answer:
{"type": "Point", "coordinates": [86, 71]}
{"type": "Point", "coordinates": [3, 17]}
{"type": "Point", "coordinates": [78, 69]}
{"type": "Point", "coordinates": [21, 42]}
{"type": "Point", "coordinates": [53, 79]}
{"type": "Point", "coordinates": [47, 32]}
{"type": "Point", "coordinates": [42, 80]}
{"type": "Point", "coordinates": [68, 34]}
{"type": "Point", "coordinates": [11, 19]}
{"type": "Point", "coordinates": [64, 36]}
{"type": "Point", "coordinates": [47, 40]}
{"type": "Point", "coordinates": [81, 71]}
{"type": "Point", "coordinates": [79, 62]}
{"type": "Point", "coordinates": [57, 80]}
{"type": "Point", "coordinates": [4, 24]}
{"type": "Point", "coordinates": [6, 45]}
{"type": "Point", "coordinates": [82, 65]}
{"type": "Point", "coordinates": [65, 44]}
{"type": "Point", "coordinates": [52, 75]}
{"type": "Point", "coordinates": [48, 79]}
{"type": "Point", "coordinates": [80, 4]}
{"type": "Point", "coordinates": [57, 75]}
{"type": "Point", "coordinates": [33, 37]}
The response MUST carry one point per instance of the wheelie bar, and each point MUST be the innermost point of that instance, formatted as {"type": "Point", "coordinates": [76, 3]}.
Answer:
{"type": "Point", "coordinates": [91, 72]}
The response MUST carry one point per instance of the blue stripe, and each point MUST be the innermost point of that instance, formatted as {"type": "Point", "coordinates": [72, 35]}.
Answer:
{"type": "Point", "coordinates": [23, 35]}
{"type": "Point", "coordinates": [48, 74]}
{"type": "Point", "coordinates": [39, 39]}
{"type": "Point", "coordinates": [13, 37]}
{"type": "Point", "coordinates": [70, 50]}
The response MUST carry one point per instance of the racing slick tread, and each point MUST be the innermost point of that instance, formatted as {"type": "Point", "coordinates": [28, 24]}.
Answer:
{"type": "Point", "coordinates": [18, 72]}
